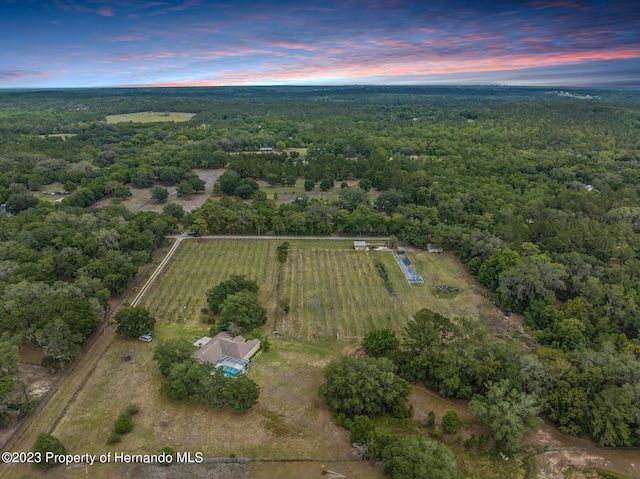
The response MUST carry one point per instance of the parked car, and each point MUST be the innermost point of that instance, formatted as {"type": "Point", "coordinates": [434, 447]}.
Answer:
{"type": "Point", "coordinates": [146, 337]}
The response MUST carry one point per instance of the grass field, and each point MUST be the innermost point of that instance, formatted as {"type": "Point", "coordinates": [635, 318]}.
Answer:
{"type": "Point", "coordinates": [334, 291]}
{"type": "Point", "coordinates": [199, 265]}
{"type": "Point", "coordinates": [150, 116]}
{"type": "Point", "coordinates": [302, 151]}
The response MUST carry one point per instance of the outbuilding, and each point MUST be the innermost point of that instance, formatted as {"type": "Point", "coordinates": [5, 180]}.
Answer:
{"type": "Point", "coordinates": [360, 245]}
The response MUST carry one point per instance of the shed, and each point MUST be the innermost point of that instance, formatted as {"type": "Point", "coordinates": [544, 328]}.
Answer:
{"type": "Point", "coordinates": [360, 245]}
{"type": "Point", "coordinates": [434, 248]}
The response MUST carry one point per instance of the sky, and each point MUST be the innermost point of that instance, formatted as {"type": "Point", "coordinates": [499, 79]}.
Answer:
{"type": "Point", "coordinates": [95, 43]}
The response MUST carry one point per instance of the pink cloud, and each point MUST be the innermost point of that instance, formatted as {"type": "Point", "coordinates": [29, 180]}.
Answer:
{"type": "Point", "coordinates": [354, 68]}
{"type": "Point", "coordinates": [10, 75]}
{"type": "Point", "coordinates": [127, 38]}
{"type": "Point", "coordinates": [105, 12]}
{"type": "Point", "coordinates": [135, 57]}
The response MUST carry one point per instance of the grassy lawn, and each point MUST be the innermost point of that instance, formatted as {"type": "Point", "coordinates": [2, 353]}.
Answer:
{"type": "Point", "coordinates": [150, 116]}
{"type": "Point", "coordinates": [289, 420]}
{"type": "Point", "coordinates": [302, 151]}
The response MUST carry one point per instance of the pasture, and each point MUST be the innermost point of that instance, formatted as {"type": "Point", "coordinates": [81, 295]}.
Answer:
{"type": "Point", "coordinates": [150, 117]}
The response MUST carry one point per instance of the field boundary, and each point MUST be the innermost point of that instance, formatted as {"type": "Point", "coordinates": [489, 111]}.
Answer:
{"type": "Point", "coordinates": [294, 238]}
{"type": "Point", "coordinates": [156, 273]}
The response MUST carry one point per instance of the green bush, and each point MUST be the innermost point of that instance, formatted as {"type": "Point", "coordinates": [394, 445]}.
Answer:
{"type": "Point", "coordinates": [471, 443]}
{"type": "Point", "coordinates": [132, 410]}
{"type": "Point", "coordinates": [451, 422]}
{"type": "Point", "coordinates": [47, 443]}
{"type": "Point", "coordinates": [123, 425]}
{"type": "Point", "coordinates": [114, 439]}
{"type": "Point", "coordinates": [168, 451]}
{"type": "Point", "coordinates": [431, 419]}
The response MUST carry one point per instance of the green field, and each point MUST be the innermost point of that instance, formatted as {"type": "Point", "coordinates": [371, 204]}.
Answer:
{"type": "Point", "coordinates": [334, 291]}
{"type": "Point", "coordinates": [150, 116]}
{"type": "Point", "coordinates": [199, 265]}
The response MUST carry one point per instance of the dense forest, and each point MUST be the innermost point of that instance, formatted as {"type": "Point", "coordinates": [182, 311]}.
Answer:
{"type": "Point", "coordinates": [537, 192]}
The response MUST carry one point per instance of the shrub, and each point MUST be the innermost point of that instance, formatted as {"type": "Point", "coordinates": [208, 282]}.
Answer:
{"type": "Point", "coordinates": [170, 452]}
{"type": "Point", "coordinates": [47, 443]}
{"type": "Point", "coordinates": [114, 439]}
{"type": "Point", "coordinates": [123, 425]}
{"type": "Point", "coordinates": [471, 442]}
{"type": "Point", "coordinates": [451, 422]}
{"type": "Point", "coordinates": [419, 458]}
{"type": "Point", "coordinates": [431, 419]}
{"type": "Point", "coordinates": [308, 184]}
{"type": "Point", "coordinates": [132, 410]}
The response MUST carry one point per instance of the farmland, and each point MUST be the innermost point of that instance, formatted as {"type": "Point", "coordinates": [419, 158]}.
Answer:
{"type": "Point", "coordinates": [334, 291]}
{"type": "Point", "coordinates": [150, 117]}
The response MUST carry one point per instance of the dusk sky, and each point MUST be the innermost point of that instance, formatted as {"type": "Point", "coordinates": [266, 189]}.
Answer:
{"type": "Point", "coordinates": [91, 43]}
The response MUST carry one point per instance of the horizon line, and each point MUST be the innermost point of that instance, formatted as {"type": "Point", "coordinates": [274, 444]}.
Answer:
{"type": "Point", "coordinates": [363, 85]}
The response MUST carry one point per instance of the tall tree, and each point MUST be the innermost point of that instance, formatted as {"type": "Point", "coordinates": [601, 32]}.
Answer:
{"type": "Point", "coordinates": [356, 386]}
{"type": "Point", "coordinates": [415, 457]}
{"type": "Point", "coordinates": [508, 413]}
{"type": "Point", "coordinates": [134, 321]}
{"type": "Point", "coordinates": [159, 194]}
{"type": "Point", "coordinates": [242, 312]}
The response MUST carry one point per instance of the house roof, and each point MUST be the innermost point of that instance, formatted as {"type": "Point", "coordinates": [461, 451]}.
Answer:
{"type": "Point", "coordinates": [202, 341]}
{"type": "Point", "coordinates": [223, 344]}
